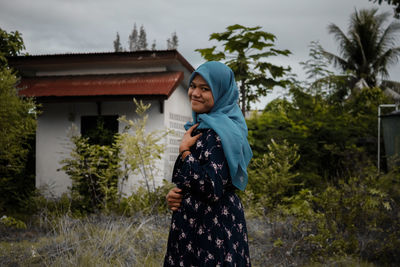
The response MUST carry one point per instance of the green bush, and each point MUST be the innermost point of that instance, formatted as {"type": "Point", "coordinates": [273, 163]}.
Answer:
{"type": "Point", "coordinates": [12, 222]}
{"type": "Point", "coordinates": [355, 216]}
{"type": "Point", "coordinates": [335, 140]}
{"type": "Point", "coordinates": [142, 201]}
{"type": "Point", "coordinates": [94, 171]}
{"type": "Point", "coordinates": [271, 177]}
{"type": "Point", "coordinates": [358, 216]}
{"type": "Point", "coordinates": [17, 138]}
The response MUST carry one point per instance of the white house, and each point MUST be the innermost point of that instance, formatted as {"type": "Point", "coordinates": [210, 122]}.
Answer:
{"type": "Point", "coordinates": [75, 88]}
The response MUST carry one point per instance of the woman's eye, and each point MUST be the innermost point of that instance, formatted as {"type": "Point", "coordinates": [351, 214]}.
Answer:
{"type": "Point", "coordinates": [205, 89]}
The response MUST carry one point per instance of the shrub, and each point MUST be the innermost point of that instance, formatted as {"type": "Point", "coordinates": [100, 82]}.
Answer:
{"type": "Point", "coordinates": [141, 149]}
{"type": "Point", "coordinates": [142, 201]}
{"type": "Point", "coordinates": [271, 177]}
{"type": "Point", "coordinates": [17, 138]}
{"type": "Point", "coordinates": [12, 222]}
{"type": "Point", "coordinates": [359, 216]}
{"type": "Point", "coordinates": [94, 171]}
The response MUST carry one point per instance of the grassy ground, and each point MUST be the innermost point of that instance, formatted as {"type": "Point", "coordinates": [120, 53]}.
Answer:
{"type": "Point", "coordinates": [137, 241]}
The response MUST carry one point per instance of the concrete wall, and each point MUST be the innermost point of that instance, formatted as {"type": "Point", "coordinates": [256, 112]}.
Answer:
{"type": "Point", "coordinates": [59, 121]}
{"type": "Point", "coordinates": [177, 112]}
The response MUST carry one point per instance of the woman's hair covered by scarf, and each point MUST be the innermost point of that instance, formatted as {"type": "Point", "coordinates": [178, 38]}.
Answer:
{"type": "Point", "coordinates": [226, 119]}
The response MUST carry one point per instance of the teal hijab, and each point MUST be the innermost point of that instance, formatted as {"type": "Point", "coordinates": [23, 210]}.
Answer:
{"type": "Point", "coordinates": [225, 118]}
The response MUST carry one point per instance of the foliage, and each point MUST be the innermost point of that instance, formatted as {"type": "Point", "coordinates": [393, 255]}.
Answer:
{"type": "Point", "coordinates": [94, 171]}
{"type": "Point", "coordinates": [368, 49]}
{"type": "Point", "coordinates": [395, 3]}
{"type": "Point", "coordinates": [339, 204]}
{"type": "Point", "coordinates": [17, 131]}
{"type": "Point", "coordinates": [271, 177]}
{"type": "Point", "coordinates": [320, 79]}
{"type": "Point", "coordinates": [138, 40]}
{"type": "Point", "coordinates": [316, 67]}
{"type": "Point", "coordinates": [141, 150]}
{"type": "Point", "coordinates": [172, 43]}
{"type": "Point", "coordinates": [142, 40]}
{"type": "Point", "coordinates": [356, 217]}
{"type": "Point", "coordinates": [141, 201]}
{"type": "Point", "coordinates": [12, 222]}
{"type": "Point", "coordinates": [117, 44]}
{"type": "Point", "coordinates": [11, 44]}
{"type": "Point", "coordinates": [133, 39]}
{"type": "Point", "coordinates": [334, 139]}
{"type": "Point", "coordinates": [244, 51]}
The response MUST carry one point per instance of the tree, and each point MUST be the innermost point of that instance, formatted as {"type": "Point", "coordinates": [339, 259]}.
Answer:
{"type": "Point", "coordinates": [117, 44]}
{"type": "Point", "coordinates": [321, 80]}
{"type": "Point", "coordinates": [153, 45]}
{"type": "Point", "coordinates": [17, 130]}
{"type": "Point", "coordinates": [368, 49]}
{"type": "Point", "coordinates": [141, 149]}
{"type": "Point", "coordinates": [133, 39]}
{"type": "Point", "coordinates": [395, 3]}
{"type": "Point", "coordinates": [142, 42]}
{"type": "Point", "coordinates": [172, 43]}
{"type": "Point", "coordinates": [11, 44]}
{"type": "Point", "coordinates": [245, 51]}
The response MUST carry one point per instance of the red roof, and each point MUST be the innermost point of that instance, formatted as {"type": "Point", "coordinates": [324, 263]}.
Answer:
{"type": "Point", "coordinates": [154, 83]}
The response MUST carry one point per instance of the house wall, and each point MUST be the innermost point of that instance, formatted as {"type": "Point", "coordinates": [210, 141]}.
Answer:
{"type": "Point", "coordinates": [177, 112]}
{"type": "Point", "coordinates": [59, 121]}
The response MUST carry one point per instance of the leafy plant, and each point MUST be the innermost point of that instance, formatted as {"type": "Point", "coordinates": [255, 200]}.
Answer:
{"type": "Point", "coordinates": [94, 171]}
{"type": "Point", "coordinates": [12, 222]}
{"type": "Point", "coordinates": [141, 150]}
{"type": "Point", "coordinates": [17, 131]}
{"type": "Point", "coordinates": [271, 177]}
{"type": "Point", "coordinates": [244, 51]}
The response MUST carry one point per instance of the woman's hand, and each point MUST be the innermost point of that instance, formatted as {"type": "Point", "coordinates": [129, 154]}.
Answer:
{"type": "Point", "coordinates": [188, 140]}
{"type": "Point", "coordinates": [174, 198]}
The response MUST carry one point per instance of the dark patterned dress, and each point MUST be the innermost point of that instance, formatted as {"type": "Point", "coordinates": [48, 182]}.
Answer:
{"type": "Point", "coordinates": [209, 229]}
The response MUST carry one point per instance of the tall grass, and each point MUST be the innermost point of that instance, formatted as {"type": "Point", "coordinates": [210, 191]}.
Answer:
{"type": "Point", "coordinates": [140, 240]}
{"type": "Point", "coordinates": [93, 241]}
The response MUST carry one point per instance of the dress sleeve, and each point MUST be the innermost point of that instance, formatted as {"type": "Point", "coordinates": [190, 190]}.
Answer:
{"type": "Point", "coordinates": [206, 175]}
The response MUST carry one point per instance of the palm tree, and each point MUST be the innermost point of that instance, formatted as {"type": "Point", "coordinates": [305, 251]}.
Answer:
{"type": "Point", "coordinates": [368, 49]}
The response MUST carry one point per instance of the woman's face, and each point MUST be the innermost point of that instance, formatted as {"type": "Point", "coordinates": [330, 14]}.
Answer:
{"type": "Point", "coordinates": [200, 95]}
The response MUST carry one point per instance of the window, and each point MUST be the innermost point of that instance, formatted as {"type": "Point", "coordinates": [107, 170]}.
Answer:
{"type": "Point", "coordinates": [99, 129]}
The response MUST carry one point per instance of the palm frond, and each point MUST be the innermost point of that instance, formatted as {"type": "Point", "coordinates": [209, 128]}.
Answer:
{"type": "Point", "coordinates": [340, 36]}
{"type": "Point", "coordinates": [390, 57]}
{"type": "Point", "coordinates": [335, 59]}
{"type": "Point", "coordinates": [388, 36]}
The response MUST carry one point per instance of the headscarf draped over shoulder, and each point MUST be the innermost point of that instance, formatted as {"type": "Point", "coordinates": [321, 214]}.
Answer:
{"type": "Point", "coordinates": [225, 118]}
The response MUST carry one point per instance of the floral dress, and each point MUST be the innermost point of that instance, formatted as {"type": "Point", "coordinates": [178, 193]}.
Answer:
{"type": "Point", "coordinates": [209, 229]}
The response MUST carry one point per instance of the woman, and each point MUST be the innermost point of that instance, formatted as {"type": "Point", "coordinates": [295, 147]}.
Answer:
{"type": "Point", "coordinates": [208, 227]}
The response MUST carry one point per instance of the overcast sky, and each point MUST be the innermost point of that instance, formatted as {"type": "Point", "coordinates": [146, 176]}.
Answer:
{"type": "Point", "coordinates": [76, 26]}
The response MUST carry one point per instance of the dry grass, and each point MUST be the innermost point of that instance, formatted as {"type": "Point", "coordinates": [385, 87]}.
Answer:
{"type": "Point", "coordinates": [94, 241]}
{"type": "Point", "coordinates": [140, 241]}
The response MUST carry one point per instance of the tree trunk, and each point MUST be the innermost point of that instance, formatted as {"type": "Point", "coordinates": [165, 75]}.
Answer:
{"type": "Point", "coordinates": [243, 95]}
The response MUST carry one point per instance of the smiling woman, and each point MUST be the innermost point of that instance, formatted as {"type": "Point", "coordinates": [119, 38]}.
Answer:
{"type": "Point", "coordinates": [208, 226]}
{"type": "Point", "coordinates": [200, 95]}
